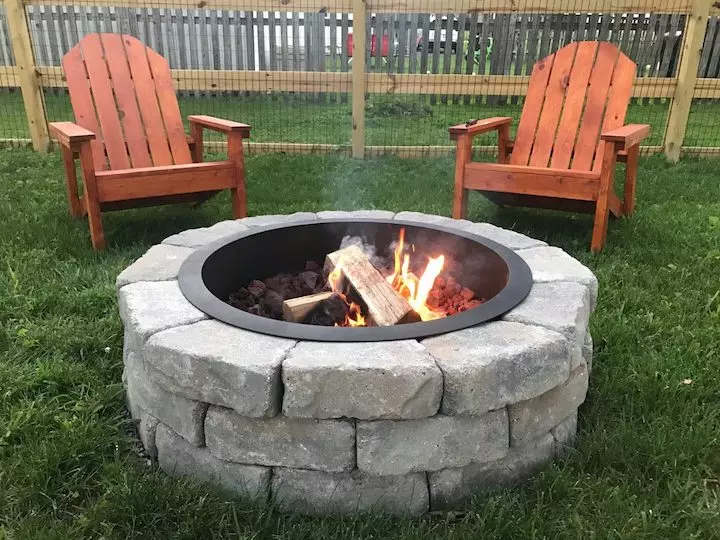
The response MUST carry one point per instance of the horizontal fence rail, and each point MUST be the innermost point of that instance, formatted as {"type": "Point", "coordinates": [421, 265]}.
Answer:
{"type": "Point", "coordinates": [418, 56]}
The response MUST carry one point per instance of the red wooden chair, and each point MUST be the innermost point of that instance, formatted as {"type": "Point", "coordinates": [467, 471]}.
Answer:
{"type": "Point", "coordinates": [130, 138]}
{"type": "Point", "coordinates": [570, 136]}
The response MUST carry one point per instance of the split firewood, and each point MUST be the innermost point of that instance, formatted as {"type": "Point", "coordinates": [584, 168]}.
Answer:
{"type": "Point", "coordinates": [330, 312]}
{"type": "Point", "coordinates": [384, 305]}
{"type": "Point", "coordinates": [296, 309]}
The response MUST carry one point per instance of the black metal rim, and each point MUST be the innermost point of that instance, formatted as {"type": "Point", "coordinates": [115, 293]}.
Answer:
{"type": "Point", "coordinates": [194, 288]}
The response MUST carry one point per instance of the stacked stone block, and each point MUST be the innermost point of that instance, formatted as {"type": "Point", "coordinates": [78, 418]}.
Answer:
{"type": "Point", "coordinates": [401, 426]}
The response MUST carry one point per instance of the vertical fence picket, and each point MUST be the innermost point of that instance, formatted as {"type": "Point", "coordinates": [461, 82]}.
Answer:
{"type": "Point", "coordinates": [545, 35]}
{"type": "Point", "coordinates": [626, 33]}
{"type": "Point", "coordinates": [522, 43]}
{"type": "Point", "coordinates": [333, 37]}
{"type": "Point", "coordinates": [707, 47]}
{"type": "Point", "coordinates": [413, 33]}
{"type": "Point", "coordinates": [460, 50]}
{"type": "Point", "coordinates": [531, 49]}
{"type": "Point", "coordinates": [379, 38]}
{"type": "Point", "coordinates": [63, 31]}
{"type": "Point", "coordinates": [284, 42]}
{"type": "Point", "coordinates": [344, 31]}
{"type": "Point", "coordinates": [472, 48]}
{"type": "Point", "coordinates": [4, 41]}
{"type": "Point", "coordinates": [249, 40]}
{"type": "Point", "coordinates": [211, 38]}
{"type": "Point", "coordinates": [715, 57]}
{"type": "Point", "coordinates": [261, 49]}
{"type": "Point", "coordinates": [45, 56]}
{"type": "Point", "coordinates": [425, 43]}
{"type": "Point", "coordinates": [447, 47]}
{"type": "Point", "coordinates": [637, 39]}
{"type": "Point", "coordinates": [226, 40]}
{"type": "Point", "coordinates": [296, 58]}
{"type": "Point", "coordinates": [616, 28]}
{"type": "Point", "coordinates": [402, 46]}
{"type": "Point", "coordinates": [234, 26]}
{"type": "Point", "coordinates": [158, 43]}
{"type": "Point", "coordinates": [437, 33]}
{"type": "Point", "coordinates": [391, 20]}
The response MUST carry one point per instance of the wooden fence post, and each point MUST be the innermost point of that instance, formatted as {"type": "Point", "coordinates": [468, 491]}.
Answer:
{"type": "Point", "coordinates": [30, 84]}
{"type": "Point", "coordinates": [358, 79]}
{"type": "Point", "coordinates": [694, 35]}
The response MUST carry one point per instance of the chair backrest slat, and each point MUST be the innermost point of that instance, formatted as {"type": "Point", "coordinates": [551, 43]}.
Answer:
{"type": "Point", "coordinates": [589, 134]}
{"type": "Point", "coordinates": [82, 103]}
{"type": "Point", "coordinates": [104, 99]}
{"type": "Point", "coordinates": [124, 93]}
{"type": "Point", "coordinates": [165, 90]}
{"type": "Point", "coordinates": [552, 107]}
{"type": "Point", "coordinates": [618, 100]}
{"type": "Point", "coordinates": [531, 111]}
{"type": "Point", "coordinates": [148, 103]}
{"type": "Point", "coordinates": [126, 101]}
{"type": "Point", "coordinates": [574, 103]}
{"type": "Point", "coordinates": [583, 88]}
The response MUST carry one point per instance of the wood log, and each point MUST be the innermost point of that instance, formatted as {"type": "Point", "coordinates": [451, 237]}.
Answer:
{"type": "Point", "coordinates": [384, 305]}
{"type": "Point", "coordinates": [296, 309]}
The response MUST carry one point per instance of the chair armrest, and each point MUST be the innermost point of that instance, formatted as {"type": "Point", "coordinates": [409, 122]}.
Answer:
{"type": "Point", "coordinates": [218, 124]}
{"type": "Point", "coordinates": [627, 136]}
{"type": "Point", "coordinates": [473, 128]}
{"type": "Point", "coordinates": [68, 133]}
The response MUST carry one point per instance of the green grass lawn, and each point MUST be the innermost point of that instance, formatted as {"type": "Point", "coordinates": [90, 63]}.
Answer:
{"type": "Point", "coordinates": [391, 120]}
{"type": "Point", "coordinates": [647, 462]}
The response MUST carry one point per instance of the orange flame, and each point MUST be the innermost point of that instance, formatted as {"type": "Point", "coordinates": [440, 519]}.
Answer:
{"type": "Point", "coordinates": [415, 289]}
{"type": "Point", "coordinates": [354, 318]}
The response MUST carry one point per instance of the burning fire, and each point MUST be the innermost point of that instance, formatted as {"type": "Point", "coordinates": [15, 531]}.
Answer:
{"type": "Point", "coordinates": [414, 289]}
{"type": "Point", "coordinates": [411, 287]}
{"type": "Point", "coordinates": [354, 317]}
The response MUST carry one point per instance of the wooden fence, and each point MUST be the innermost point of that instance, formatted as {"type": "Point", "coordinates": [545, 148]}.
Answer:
{"type": "Point", "coordinates": [239, 40]}
{"type": "Point", "coordinates": [436, 47]}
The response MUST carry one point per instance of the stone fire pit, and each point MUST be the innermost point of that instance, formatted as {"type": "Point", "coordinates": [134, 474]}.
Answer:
{"type": "Point", "coordinates": [390, 426]}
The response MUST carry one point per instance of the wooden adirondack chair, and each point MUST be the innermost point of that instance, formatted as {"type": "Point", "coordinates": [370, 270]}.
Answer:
{"type": "Point", "coordinates": [570, 136]}
{"type": "Point", "coordinates": [130, 138]}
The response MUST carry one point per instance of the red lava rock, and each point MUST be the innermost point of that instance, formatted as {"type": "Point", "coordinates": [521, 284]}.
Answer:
{"type": "Point", "coordinates": [452, 287]}
{"type": "Point", "coordinates": [434, 298]}
{"type": "Point", "coordinates": [257, 288]}
{"type": "Point", "coordinates": [265, 298]}
{"type": "Point", "coordinates": [272, 305]}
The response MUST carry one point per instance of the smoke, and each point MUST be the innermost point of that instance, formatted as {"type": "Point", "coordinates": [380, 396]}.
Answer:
{"type": "Point", "coordinates": [379, 261]}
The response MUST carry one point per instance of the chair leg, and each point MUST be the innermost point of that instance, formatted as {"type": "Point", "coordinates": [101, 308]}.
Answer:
{"type": "Point", "coordinates": [237, 156]}
{"type": "Point", "coordinates": [631, 170]}
{"type": "Point", "coordinates": [71, 184]}
{"type": "Point", "coordinates": [503, 138]}
{"type": "Point", "coordinates": [602, 209]}
{"type": "Point", "coordinates": [460, 204]}
{"type": "Point", "coordinates": [600, 225]}
{"type": "Point", "coordinates": [462, 157]}
{"type": "Point", "coordinates": [197, 146]}
{"type": "Point", "coordinates": [92, 202]}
